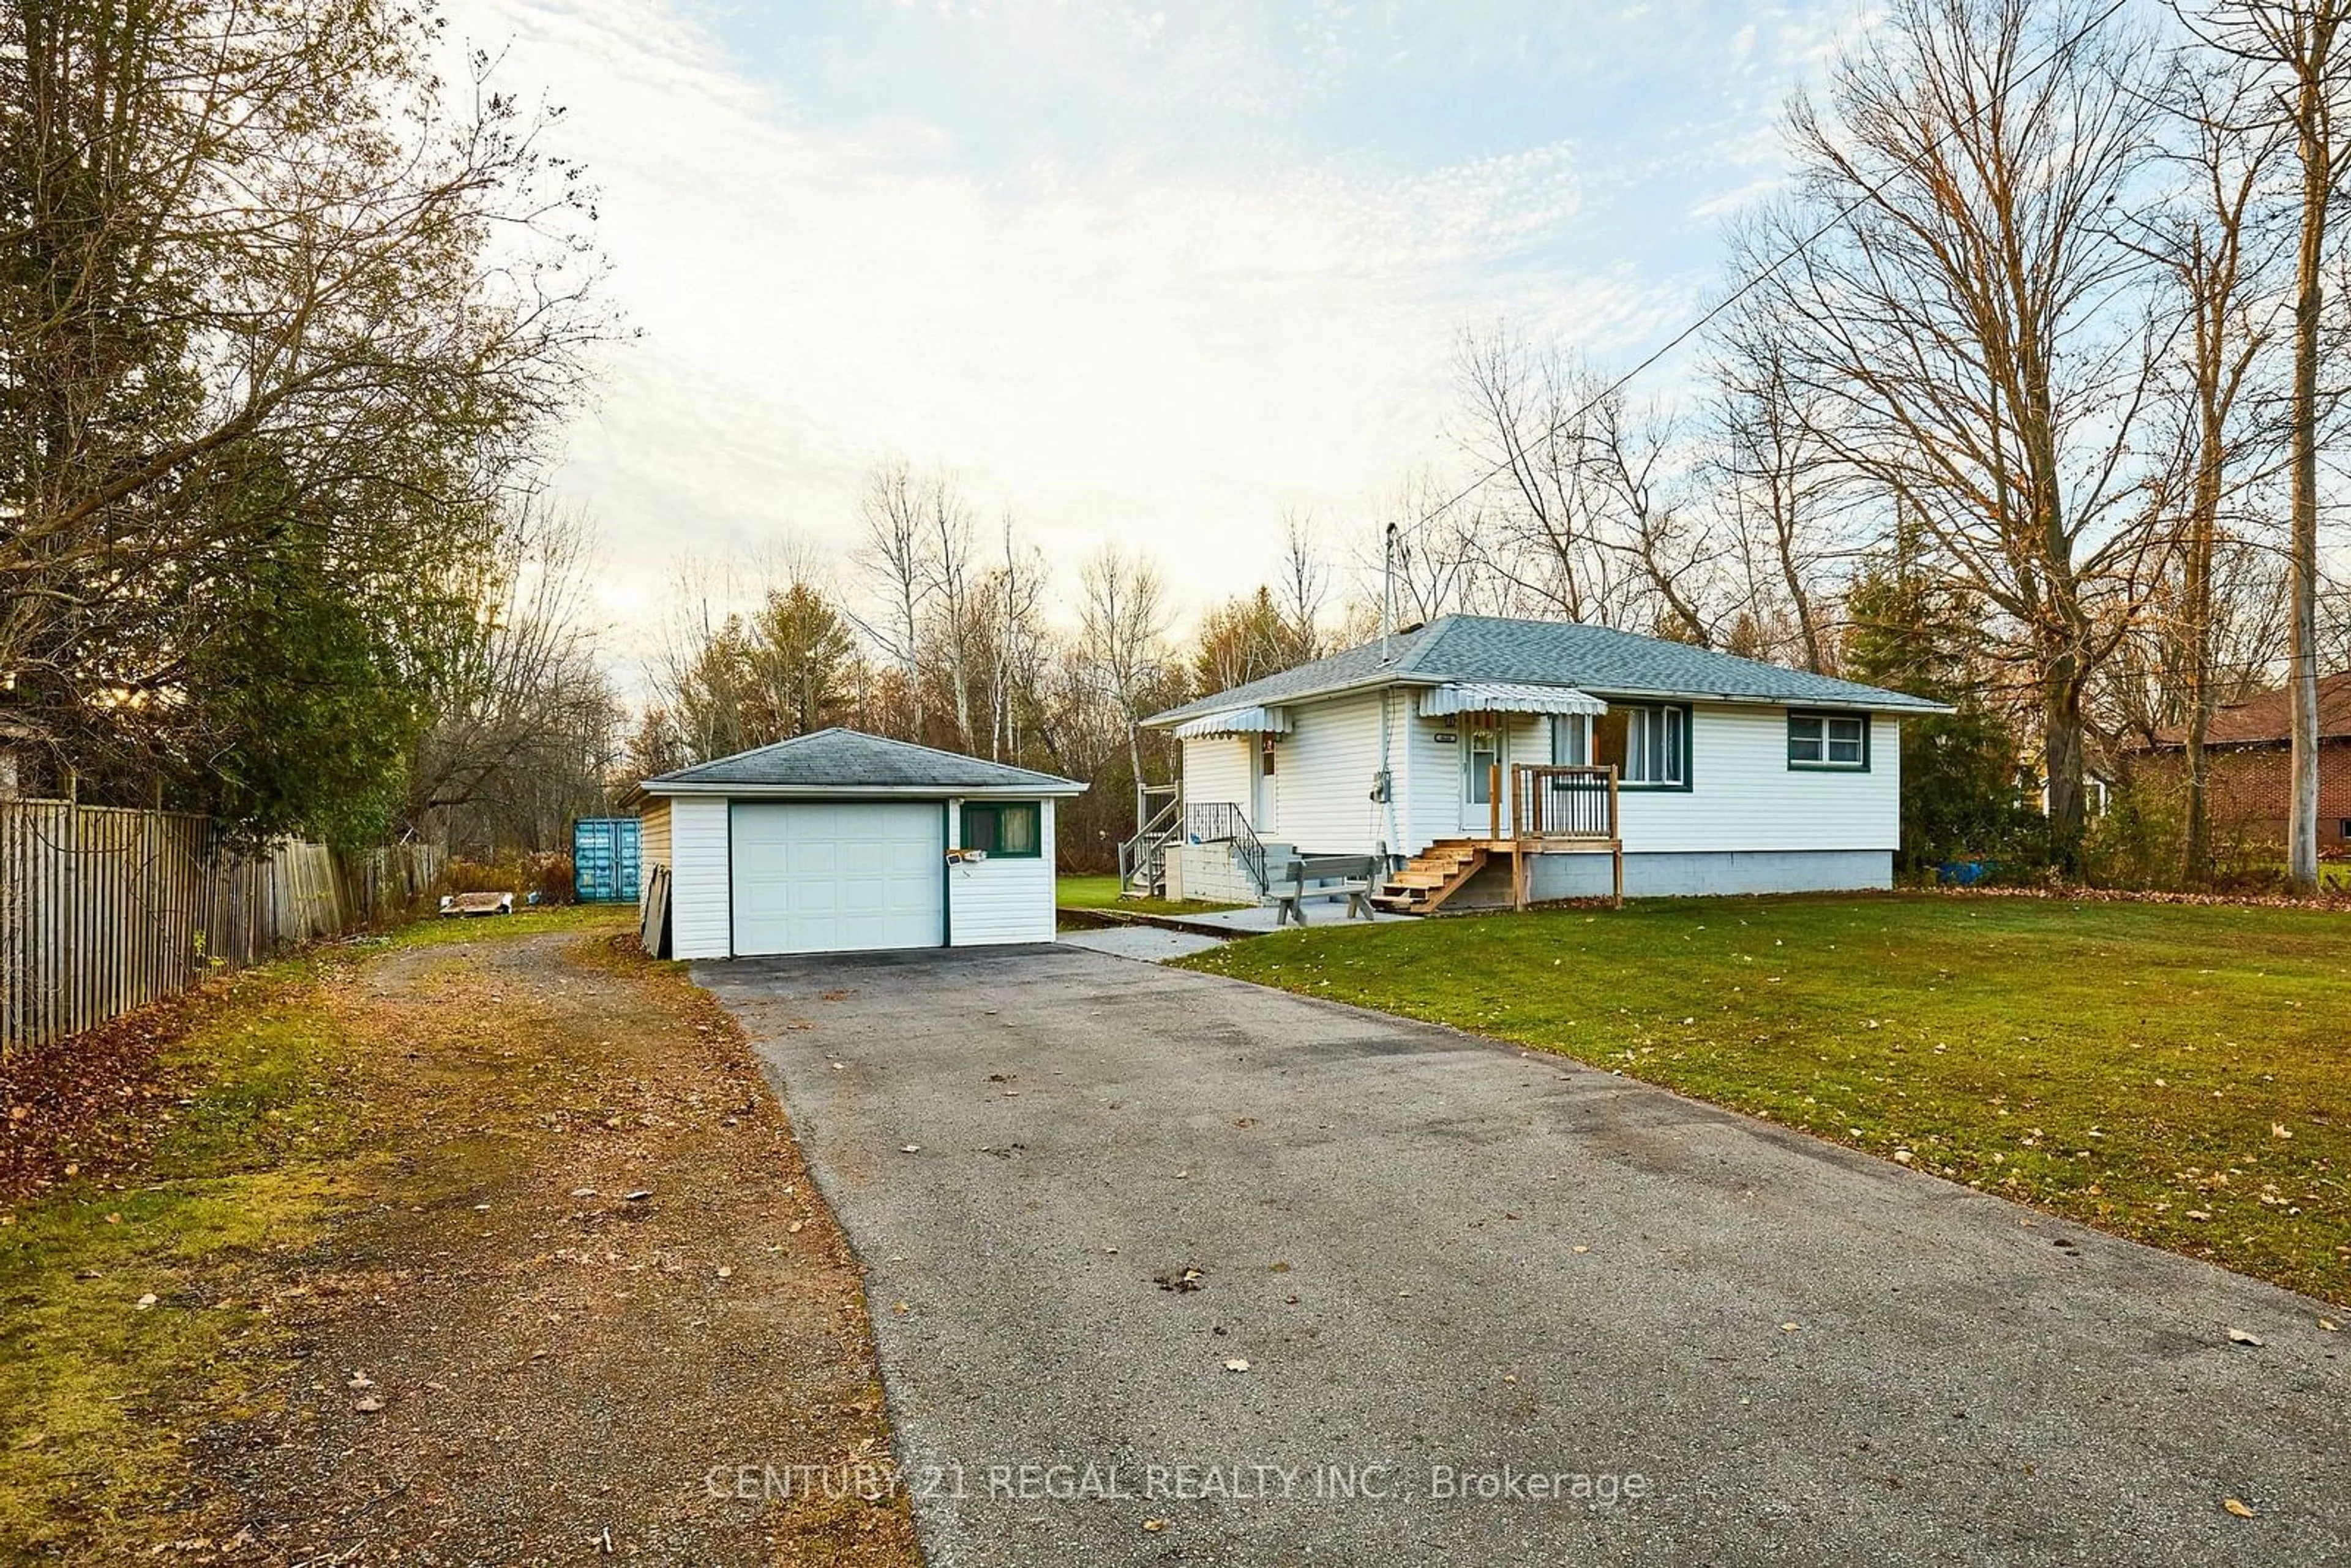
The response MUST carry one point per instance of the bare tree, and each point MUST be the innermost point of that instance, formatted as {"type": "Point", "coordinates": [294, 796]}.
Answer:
{"type": "Point", "coordinates": [2298, 49]}
{"type": "Point", "coordinates": [1783, 494]}
{"type": "Point", "coordinates": [2215, 246]}
{"type": "Point", "coordinates": [1668, 551]}
{"type": "Point", "coordinates": [892, 553]}
{"type": "Point", "coordinates": [1971, 328]}
{"type": "Point", "coordinates": [1304, 586]}
{"type": "Point", "coordinates": [1429, 541]}
{"type": "Point", "coordinates": [1123, 634]}
{"type": "Point", "coordinates": [948, 566]}
{"type": "Point", "coordinates": [1020, 642]}
{"type": "Point", "coordinates": [1532, 415]}
{"type": "Point", "coordinates": [526, 723]}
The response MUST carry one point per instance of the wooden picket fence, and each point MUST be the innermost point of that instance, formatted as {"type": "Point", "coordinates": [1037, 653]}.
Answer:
{"type": "Point", "coordinates": [104, 909]}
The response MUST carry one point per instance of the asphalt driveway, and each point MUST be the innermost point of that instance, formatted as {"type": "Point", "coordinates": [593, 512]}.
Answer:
{"type": "Point", "coordinates": [1655, 1332]}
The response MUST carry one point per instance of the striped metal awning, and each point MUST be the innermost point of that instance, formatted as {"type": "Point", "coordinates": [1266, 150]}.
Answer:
{"type": "Point", "coordinates": [1236, 721]}
{"type": "Point", "coordinates": [1474, 697]}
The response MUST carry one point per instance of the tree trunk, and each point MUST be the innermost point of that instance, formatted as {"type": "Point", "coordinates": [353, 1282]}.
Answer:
{"type": "Point", "coordinates": [2061, 752]}
{"type": "Point", "coordinates": [2195, 592]}
{"type": "Point", "coordinates": [2302, 680]}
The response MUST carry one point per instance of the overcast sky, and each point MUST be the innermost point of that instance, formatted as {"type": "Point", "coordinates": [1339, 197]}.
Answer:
{"type": "Point", "coordinates": [1148, 273]}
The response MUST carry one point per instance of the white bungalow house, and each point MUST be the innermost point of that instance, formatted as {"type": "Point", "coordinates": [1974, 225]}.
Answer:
{"type": "Point", "coordinates": [1489, 761]}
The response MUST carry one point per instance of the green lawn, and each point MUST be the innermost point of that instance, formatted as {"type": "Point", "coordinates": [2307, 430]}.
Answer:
{"type": "Point", "coordinates": [1102, 892]}
{"type": "Point", "coordinates": [2173, 1073]}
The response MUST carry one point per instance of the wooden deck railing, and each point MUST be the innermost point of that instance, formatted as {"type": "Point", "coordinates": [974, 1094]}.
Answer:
{"type": "Point", "coordinates": [1563, 802]}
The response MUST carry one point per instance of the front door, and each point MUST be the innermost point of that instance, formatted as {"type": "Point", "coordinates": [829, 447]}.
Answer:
{"type": "Point", "coordinates": [1264, 799]}
{"type": "Point", "coordinates": [1481, 756]}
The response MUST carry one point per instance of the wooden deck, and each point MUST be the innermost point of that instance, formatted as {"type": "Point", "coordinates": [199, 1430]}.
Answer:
{"type": "Point", "coordinates": [1553, 810]}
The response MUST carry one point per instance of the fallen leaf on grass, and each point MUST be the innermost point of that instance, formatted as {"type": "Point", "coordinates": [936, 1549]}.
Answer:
{"type": "Point", "coordinates": [368, 1404]}
{"type": "Point", "coordinates": [2328, 1324]}
{"type": "Point", "coordinates": [1154, 1525]}
{"type": "Point", "coordinates": [146, 1301]}
{"type": "Point", "coordinates": [1789, 1328]}
{"type": "Point", "coordinates": [2239, 1509]}
{"type": "Point", "coordinates": [725, 1272]}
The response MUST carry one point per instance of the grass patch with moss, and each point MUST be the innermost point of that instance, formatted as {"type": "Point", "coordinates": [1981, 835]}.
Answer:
{"type": "Point", "coordinates": [249, 1161]}
{"type": "Point", "coordinates": [2171, 1073]}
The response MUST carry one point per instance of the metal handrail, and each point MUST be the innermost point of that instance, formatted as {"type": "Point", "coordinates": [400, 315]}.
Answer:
{"type": "Point", "coordinates": [1144, 850]}
{"type": "Point", "coordinates": [1563, 802]}
{"type": "Point", "coordinates": [1207, 821]}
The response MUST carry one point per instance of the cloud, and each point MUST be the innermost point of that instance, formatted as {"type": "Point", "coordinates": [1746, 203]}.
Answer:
{"type": "Point", "coordinates": [1118, 347]}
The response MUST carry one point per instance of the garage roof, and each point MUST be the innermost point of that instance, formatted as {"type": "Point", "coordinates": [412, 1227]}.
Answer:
{"type": "Point", "coordinates": [851, 762]}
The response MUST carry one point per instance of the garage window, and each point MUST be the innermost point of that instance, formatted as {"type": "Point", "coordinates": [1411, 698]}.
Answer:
{"type": "Point", "coordinates": [1010, 830]}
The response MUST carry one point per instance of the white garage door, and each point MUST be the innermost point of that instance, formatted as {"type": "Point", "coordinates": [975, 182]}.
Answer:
{"type": "Point", "coordinates": [828, 877]}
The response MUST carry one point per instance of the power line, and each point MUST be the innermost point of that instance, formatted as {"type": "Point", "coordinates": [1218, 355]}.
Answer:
{"type": "Point", "coordinates": [1869, 193]}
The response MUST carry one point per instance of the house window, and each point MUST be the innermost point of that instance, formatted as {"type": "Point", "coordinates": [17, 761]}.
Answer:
{"type": "Point", "coordinates": [1570, 740]}
{"type": "Point", "coordinates": [1648, 744]}
{"type": "Point", "coordinates": [1009, 830]}
{"type": "Point", "coordinates": [1265, 756]}
{"type": "Point", "coordinates": [1839, 740]}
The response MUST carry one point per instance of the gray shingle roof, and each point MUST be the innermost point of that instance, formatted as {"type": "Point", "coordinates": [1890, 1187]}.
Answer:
{"type": "Point", "coordinates": [1596, 659]}
{"type": "Point", "coordinates": [850, 760]}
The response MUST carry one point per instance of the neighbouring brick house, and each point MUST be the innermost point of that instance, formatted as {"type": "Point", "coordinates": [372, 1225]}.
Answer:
{"type": "Point", "coordinates": [2247, 747]}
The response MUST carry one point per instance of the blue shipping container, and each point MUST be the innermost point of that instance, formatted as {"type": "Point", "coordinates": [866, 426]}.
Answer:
{"type": "Point", "coordinates": [604, 860]}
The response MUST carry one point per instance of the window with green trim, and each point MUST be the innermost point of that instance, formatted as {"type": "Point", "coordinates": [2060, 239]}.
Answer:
{"type": "Point", "coordinates": [1007, 829]}
{"type": "Point", "coordinates": [1648, 744]}
{"type": "Point", "coordinates": [1831, 740]}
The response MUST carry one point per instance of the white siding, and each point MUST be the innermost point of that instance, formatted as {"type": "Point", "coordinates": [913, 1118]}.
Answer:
{"type": "Point", "coordinates": [1744, 796]}
{"type": "Point", "coordinates": [700, 900]}
{"type": "Point", "coordinates": [652, 844]}
{"type": "Point", "coordinates": [1221, 768]}
{"type": "Point", "coordinates": [1004, 900]}
{"type": "Point", "coordinates": [1324, 768]}
{"type": "Point", "coordinates": [1430, 807]}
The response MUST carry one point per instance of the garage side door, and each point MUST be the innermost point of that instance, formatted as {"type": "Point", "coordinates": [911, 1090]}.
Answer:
{"type": "Point", "coordinates": [825, 877]}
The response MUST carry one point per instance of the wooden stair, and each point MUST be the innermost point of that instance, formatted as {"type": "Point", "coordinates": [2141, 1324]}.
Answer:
{"type": "Point", "coordinates": [1434, 875]}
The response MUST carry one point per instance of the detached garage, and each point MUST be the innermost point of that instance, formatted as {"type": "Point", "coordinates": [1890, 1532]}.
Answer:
{"type": "Point", "coordinates": [841, 841]}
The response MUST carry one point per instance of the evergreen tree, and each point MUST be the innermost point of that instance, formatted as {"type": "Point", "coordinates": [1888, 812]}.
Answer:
{"type": "Point", "coordinates": [1910, 633]}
